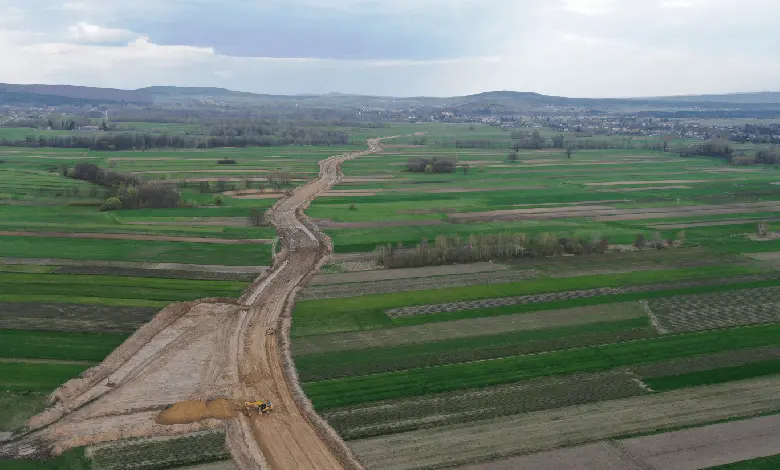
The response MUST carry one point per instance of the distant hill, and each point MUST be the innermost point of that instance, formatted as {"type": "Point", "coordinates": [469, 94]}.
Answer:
{"type": "Point", "coordinates": [488, 103]}
{"type": "Point", "coordinates": [54, 95]}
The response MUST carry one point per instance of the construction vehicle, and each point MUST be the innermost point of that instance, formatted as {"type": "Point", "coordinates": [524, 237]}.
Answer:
{"type": "Point", "coordinates": [259, 407]}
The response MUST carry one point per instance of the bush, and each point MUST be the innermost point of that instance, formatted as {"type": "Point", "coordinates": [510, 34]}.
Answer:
{"type": "Point", "coordinates": [352, 206]}
{"type": "Point", "coordinates": [218, 201]}
{"type": "Point", "coordinates": [111, 204]}
{"type": "Point", "coordinates": [226, 161]}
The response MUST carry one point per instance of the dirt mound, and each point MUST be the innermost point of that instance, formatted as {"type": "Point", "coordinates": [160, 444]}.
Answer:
{"type": "Point", "coordinates": [191, 411]}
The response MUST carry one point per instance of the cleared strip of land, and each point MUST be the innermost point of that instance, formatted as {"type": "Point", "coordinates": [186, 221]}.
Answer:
{"type": "Point", "coordinates": [467, 328]}
{"type": "Point", "coordinates": [544, 430]}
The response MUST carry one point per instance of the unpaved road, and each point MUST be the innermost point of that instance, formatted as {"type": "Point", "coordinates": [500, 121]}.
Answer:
{"type": "Point", "coordinates": [208, 349]}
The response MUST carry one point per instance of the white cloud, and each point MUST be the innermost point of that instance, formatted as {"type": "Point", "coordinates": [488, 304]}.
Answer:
{"type": "Point", "coordinates": [560, 47]}
{"type": "Point", "coordinates": [90, 33]}
{"type": "Point", "coordinates": [589, 7]}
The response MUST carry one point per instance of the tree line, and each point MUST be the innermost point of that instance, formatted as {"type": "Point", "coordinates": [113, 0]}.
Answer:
{"type": "Point", "coordinates": [138, 141]}
{"type": "Point", "coordinates": [504, 246]}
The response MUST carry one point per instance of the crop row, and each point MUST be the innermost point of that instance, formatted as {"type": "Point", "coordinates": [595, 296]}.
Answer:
{"type": "Point", "coordinates": [714, 376]}
{"type": "Point", "coordinates": [409, 383]}
{"type": "Point", "coordinates": [148, 454]}
{"type": "Point", "coordinates": [388, 417]}
{"type": "Point", "coordinates": [572, 294]}
{"type": "Point", "coordinates": [719, 310]}
{"type": "Point", "coordinates": [376, 360]}
{"type": "Point", "coordinates": [405, 285]}
{"type": "Point", "coordinates": [708, 362]}
{"type": "Point", "coordinates": [57, 345]}
{"type": "Point", "coordinates": [36, 376]}
{"type": "Point", "coordinates": [157, 273]}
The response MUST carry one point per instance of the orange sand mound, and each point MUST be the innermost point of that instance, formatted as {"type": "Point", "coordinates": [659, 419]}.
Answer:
{"type": "Point", "coordinates": [185, 412]}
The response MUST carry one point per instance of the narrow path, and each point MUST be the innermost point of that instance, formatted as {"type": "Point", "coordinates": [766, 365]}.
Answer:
{"type": "Point", "coordinates": [292, 436]}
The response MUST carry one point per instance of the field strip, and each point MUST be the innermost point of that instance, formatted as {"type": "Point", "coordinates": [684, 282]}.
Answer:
{"type": "Point", "coordinates": [572, 294]}
{"type": "Point", "coordinates": [414, 284]}
{"type": "Point", "coordinates": [629, 183]}
{"type": "Point", "coordinates": [133, 264]}
{"type": "Point", "coordinates": [328, 224]}
{"type": "Point", "coordinates": [698, 312]}
{"type": "Point", "coordinates": [606, 213]}
{"type": "Point", "coordinates": [544, 430]}
{"type": "Point", "coordinates": [689, 449]}
{"type": "Point", "coordinates": [15, 360]}
{"type": "Point", "coordinates": [466, 328]}
{"type": "Point", "coordinates": [394, 416]}
{"type": "Point", "coordinates": [713, 223]}
{"type": "Point", "coordinates": [131, 236]}
{"type": "Point", "coordinates": [388, 274]}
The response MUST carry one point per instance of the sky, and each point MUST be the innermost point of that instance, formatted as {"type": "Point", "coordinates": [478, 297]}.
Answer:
{"type": "Point", "coordinates": [577, 48]}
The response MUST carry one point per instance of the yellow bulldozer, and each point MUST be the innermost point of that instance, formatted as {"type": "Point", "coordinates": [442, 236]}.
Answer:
{"type": "Point", "coordinates": [259, 407]}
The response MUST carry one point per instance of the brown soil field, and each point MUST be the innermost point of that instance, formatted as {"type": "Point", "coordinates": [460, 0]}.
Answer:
{"type": "Point", "coordinates": [210, 221]}
{"type": "Point", "coordinates": [135, 264]}
{"type": "Point", "coordinates": [629, 183]}
{"type": "Point", "coordinates": [352, 193]}
{"type": "Point", "coordinates": [325, 223]}
{"type": "Point", "coordinates": [766, 256]}
{"type": "Point", "coordinates": [414, 284]}
{"type": "Point", "coordinates": [73, 317]}
{"type": "Point", "coordinates": [466, 328]}
{"type": "Point", "coordinates": [253, 192]}
{"type": "Point", "coordinates": [607, 213]}
{"type": "Point", "coordinates": [544, 430]}
{"type": "Point", "coordinates": [259, 196]}
{"type": "Point", "coordinates": [130, 236]}
{"type": "Point", "coordinates": [216, 170]}
{"type": "Point", "coordinates": [644, 188]}
{"type": "Point", "coordinates": [388, 274]}
{"type": "Point", "coordinates": [713, 223]}
{"type": "Point", "coordinates": [689, 449]}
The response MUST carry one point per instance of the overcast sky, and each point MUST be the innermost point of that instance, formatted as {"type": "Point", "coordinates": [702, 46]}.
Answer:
{"type": "Point", "coordinates": [577, 48]}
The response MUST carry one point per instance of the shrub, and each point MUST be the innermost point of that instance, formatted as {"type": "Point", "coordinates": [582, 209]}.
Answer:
{"type": "Point", "coordinates": [111, 204]}
{"type": "Point", "coordinates": [218, 201]}
{"type": "Point", "coordinates": [639, 241]}
{"type": "Point", "coordinates": [226, 161]}
{"type": "Point", "coordinates": [353, 206]}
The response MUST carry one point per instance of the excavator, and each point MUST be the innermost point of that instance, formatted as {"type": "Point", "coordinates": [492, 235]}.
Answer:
{"type": "Point", "coordinates": [259, 407]}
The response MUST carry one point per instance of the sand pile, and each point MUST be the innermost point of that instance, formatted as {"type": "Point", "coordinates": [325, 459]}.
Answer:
{"type": "Point", "coordinates": [185, 412]}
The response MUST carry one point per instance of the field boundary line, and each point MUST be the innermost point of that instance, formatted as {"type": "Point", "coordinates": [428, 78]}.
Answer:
{"type": "Point", "coordinates": [653, 319]}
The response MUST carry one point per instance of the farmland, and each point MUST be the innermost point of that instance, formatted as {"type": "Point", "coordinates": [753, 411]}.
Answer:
{"type": "Point", "coordinates": [77, 282]}
{"type": "Point", "coordinates": [528, 348]}
{"type": "Point", "coordinates": [449, 351]}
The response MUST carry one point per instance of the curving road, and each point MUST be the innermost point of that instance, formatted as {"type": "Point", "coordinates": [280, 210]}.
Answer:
{"type": "Point", "coordinates": [289, 437]}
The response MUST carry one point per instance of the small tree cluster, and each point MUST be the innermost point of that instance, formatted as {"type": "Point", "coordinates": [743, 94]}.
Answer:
{"type": "Point", "coordinates": [432, 165]}
{"type": "Point", "coordinates": [131, 191]}
{"type": "Point", "coordinates": [278, 178]}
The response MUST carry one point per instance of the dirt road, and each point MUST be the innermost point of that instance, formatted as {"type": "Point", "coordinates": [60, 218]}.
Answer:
{"type": "Point", "coordinates": [290, 437]}
{"type": "Point", "coordinates": [209, 349]}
